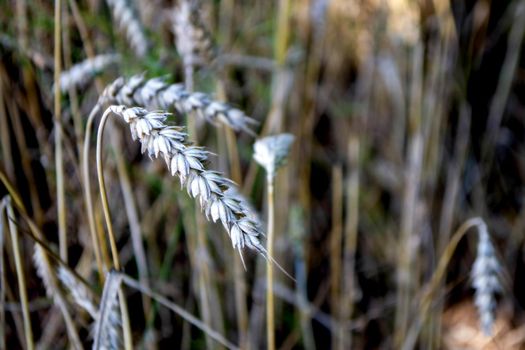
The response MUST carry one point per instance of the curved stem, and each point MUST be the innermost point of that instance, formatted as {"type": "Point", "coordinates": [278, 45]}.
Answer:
{"type": "Point", "coordinates": [269, 268]}
{"type": "Point", "coordinates": [111, 235]}
{"type": "Point", "coordinates": [103, 194]}
{"type": "Point", "coordinates": [87, 189]}
{"type": "Point", "coordinates": [434, 283]}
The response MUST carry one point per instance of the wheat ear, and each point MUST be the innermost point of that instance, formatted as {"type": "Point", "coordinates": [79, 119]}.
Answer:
{"type": "Point", "coordinates": [192, 39]}
{"type": "Point", "coordinates": [107, 324]}
{"type": "Point", "coordinates": [188, 163]}
{"type": "Point", "coordinates": [155, 93]}
{"type": "Point", "coordinates": [81, 73]}
{"type": "Point", "coordinates": [484, 276]}
{"type": "Point", "coordinates": [129, 23]}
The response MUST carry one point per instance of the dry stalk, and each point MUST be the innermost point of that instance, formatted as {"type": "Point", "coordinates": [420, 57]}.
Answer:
{"type": "Point", "coordinates": [336, 241]}
{"type": "Point", "coordinates": [349, 278]}
{"type": "Point", "coordinates": [59, 161]}
{"type": "Point", "coordinates": [2, 277]}
{"type": "Point", "coordinates": [22, 289]}
{"type": "Point", "coordinates": [271, 153]}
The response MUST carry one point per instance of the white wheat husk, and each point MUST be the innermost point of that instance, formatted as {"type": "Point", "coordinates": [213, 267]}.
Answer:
{"type": "Point", "coordinates": [107, 326]}
{"type": "Point", "coordinates": [129, 23]}
{"type": "Point", "coordinates": [188, 163]}
{"type": "Point", "coordinates": [271, 152]}
{"type": "Point", "coordinates": [485, 278]}
{"type": "Point", "coordinates": [80, 293]}
{"type": "Point", "coordinates": [193, 41]}
{"type": "Point", "coordinates": [81, 73]}
{"type": "Point", "coordinates": [155, 93]}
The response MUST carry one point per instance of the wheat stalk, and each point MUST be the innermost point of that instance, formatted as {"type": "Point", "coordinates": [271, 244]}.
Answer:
{"type": "Point", "coordinates": [22, 290]}
{"type": "Point", "coordinates": [271, 153]}
{"type": "Point", "coordinates": [157, 94]}
{"type": "Point", "coordinates": [81, 73]}
{"type": "Point", "coordinates": [129, 23]}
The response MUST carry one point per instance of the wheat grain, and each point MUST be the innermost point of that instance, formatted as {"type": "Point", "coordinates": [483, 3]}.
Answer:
{"type": "Point", "coordinates": [129, 23]}
{"type": "Point", "coordinates": [155, 93]}
{"type": "Point", "coordinates": [188, 163]}
{"type": "Point", "coordinates": [81, 73]}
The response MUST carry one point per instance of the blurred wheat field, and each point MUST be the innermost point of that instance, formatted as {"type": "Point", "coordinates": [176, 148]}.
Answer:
{"type": "Point", "coordinates": [288, 174]}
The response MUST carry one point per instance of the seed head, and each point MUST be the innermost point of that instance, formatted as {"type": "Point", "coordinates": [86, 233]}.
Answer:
{"type": "Point", "coordinates": [271, 152]}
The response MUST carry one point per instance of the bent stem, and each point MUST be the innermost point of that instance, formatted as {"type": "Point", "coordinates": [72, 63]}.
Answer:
{"type": "Point", "coordinates": [434, 283]}
{"type": "Point", "coordinates": [269, 267]}
{"type": "Point", "coordinates": [107, 216]}
{"type": "Point", "coordinates": [87, 190]}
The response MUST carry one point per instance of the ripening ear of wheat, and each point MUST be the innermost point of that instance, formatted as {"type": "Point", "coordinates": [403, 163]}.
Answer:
{"type": "Point", "coordinates": [157, 94]}
{"type": "Point", "coordinates": [194, 42]}
{"type": "Point", "coordinates": [484, 274]}
{"type": "Point", "coordinates": [108, 321]}
{"type": "Point", "coordinates": [188, 162]}
{"type": "Point", "coordinates": [81, 73]}
{"type": "Point", "coordinates": [129, 23]}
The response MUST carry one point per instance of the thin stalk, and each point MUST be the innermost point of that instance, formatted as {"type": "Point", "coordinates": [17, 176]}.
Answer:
{"type": "Point", "coordinates": [406, 278]}
{"type": "Point", "coordinates": [5, 139]}
{"type": "Point", "coordinates": [107, 215]}
{"type": "Point", "coordinates": [2, 279]}
{"type": "Point", "coordinates": [25, 159]}
{"type": "Point", "coordinates": [59, 162]}
{"type": "Point", "coordinates": [270, 321]}
{"type": "Point", "coordinates": [72, 92]}
{"type": "Point", "coordinates": [87, 191]}
{"type": "Point", "coordinates": [350, 245]}
{"type": "Point", "coordinates": [336, 241]}
{"type": "Point", "coordinates": [13, 231]}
